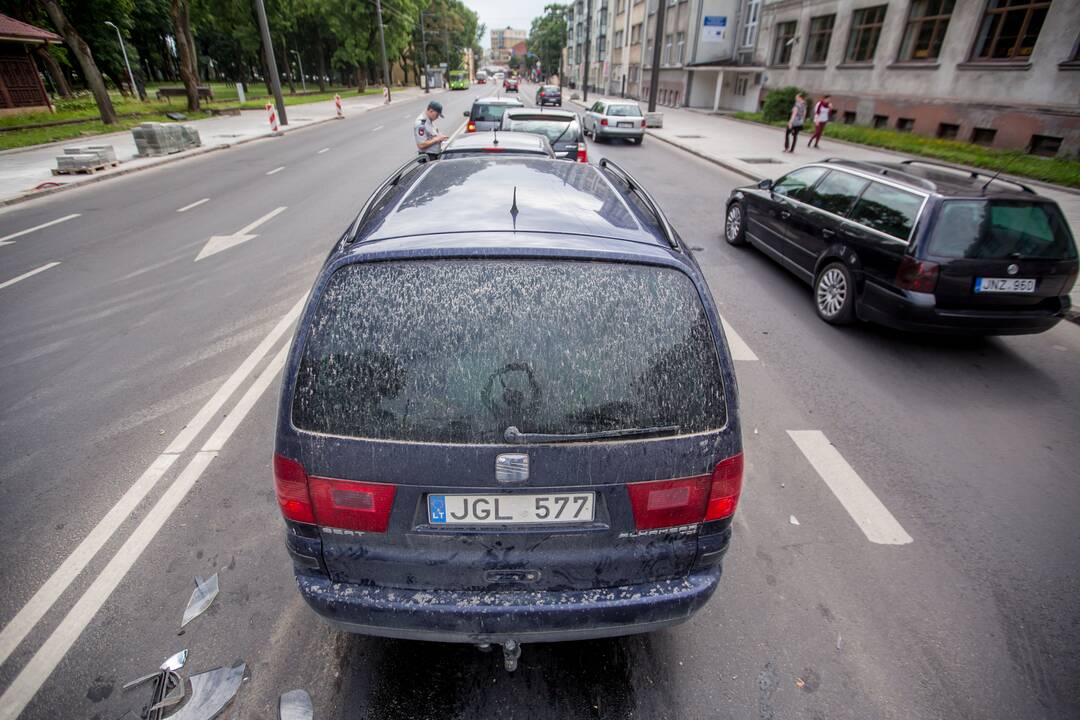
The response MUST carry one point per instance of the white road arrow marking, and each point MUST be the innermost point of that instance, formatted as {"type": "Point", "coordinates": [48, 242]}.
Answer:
{"type": "Point", "coordinates": [218, 243]}
{"type": "Point", "coordinates": [10, 239]}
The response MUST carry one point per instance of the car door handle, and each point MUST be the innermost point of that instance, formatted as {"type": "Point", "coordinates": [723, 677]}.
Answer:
{"type": "Point", "coordinates": [828, 233]}
{"type": "Point", "coordinates": [784, 214]}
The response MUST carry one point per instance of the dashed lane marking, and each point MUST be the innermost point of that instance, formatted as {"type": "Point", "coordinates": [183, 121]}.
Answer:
{"type": "Point", "coordinates": [276, 170]}
{"type": "Point", "coordinates": [197, 203]}
{"type": "Point", "coordinates": [9, 239]}
{"type": "Point", "coordinates": [25, 275]}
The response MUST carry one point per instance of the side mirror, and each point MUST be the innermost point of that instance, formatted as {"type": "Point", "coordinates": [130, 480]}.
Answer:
{"type": "Point", "coordinates": [765, 184]}
{"type": "Point", "coordinates": [466, 113]}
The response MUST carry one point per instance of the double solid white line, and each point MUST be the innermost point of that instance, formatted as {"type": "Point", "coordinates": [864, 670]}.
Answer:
{"type": "Point", "coordinates": [51, 652]}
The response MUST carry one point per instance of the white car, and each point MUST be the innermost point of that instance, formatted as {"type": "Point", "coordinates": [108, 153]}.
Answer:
{"type": "Point", "coordinates": [615, 119]}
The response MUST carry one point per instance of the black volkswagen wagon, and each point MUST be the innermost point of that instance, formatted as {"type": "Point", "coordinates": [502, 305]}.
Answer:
{"type": "Point", "coordinates": [508, 421]}
{"type": "Point", "coordinates": [914, 245]}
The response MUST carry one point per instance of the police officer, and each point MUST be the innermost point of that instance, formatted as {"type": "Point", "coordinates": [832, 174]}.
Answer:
{"type": "Point", "coordinates": [428, 139]}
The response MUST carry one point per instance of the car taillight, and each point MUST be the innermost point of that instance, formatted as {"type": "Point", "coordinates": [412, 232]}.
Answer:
{"type": "Point", "coordinates": [471, 127]}
{"type": "Point", "coordinates": [291, 486]}
{"type": "Point", "coordinates": [582, 153]}
{"type": "Point", "coordinates": [343, 504]}
{"type": "Point", "coordinates": [687, 501]}
{"type": "Point", "coordinates": [351, 505]}
{"type": "Point", "coordinates": [603, 121]}
{"type": "Point", "coordinates": [917, 275]}
{"type": "Point", "coordinates": [643, 122]}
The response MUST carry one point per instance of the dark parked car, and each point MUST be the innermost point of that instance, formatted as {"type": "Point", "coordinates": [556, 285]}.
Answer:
{"type": "Point", "coordinates": [510, 421]}
{"type": "Point", "coordinates": [511, 143]}
{"type": "Point", "coordinates": [914, 245]}
{"type": "Point", "coordinates": [549, 95]}
{"type": "Point", "coordinates": [486, 113]}
{"type": "Point", "coordinates": [560, 127]}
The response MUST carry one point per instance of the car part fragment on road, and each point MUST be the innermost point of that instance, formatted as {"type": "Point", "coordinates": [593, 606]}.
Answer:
{"type": "Point", "coordinates": [296, 705]}
{"type": "Point", "coordinates": [211, 691]}
{"type": "Point", "coordinates": [168, 686]}
{"type": "Point", "coordinates": [204, 594]}
{"type": "Point", "coordinates": [793, 520]}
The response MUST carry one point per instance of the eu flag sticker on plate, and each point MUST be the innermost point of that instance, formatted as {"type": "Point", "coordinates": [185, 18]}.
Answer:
{"type": "Point", "coordinates": [437, 508]}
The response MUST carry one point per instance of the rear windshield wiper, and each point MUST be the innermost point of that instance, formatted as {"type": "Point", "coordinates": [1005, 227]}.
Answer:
{"type": "Point", "coordinates": [513, 435]}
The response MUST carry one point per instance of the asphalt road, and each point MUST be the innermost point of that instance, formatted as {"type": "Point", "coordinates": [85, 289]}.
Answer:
{"type": "Point", "coordinates": [114, 362]}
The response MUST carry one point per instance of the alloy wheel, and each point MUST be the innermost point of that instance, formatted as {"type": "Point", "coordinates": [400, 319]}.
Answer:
{"type": "Point", "coordinates": [832, 292]}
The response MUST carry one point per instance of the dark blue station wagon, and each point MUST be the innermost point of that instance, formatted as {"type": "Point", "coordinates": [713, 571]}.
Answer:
{"type": "Point", "coordinates": [509, 421]}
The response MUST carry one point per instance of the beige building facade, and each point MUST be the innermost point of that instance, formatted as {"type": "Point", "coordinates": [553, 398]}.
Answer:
{"type": "Point", "coordinates": [502, 42]}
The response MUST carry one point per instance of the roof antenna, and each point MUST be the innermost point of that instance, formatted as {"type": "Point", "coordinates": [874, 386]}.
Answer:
{"type": "Point", "coordinates": [514, 209]}
{"type": "Point", "coordinates": [991, 180]}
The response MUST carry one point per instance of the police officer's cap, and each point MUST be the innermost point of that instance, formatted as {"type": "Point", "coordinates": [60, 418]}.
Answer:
{"type": "Point", "coordinates": [436, 106]}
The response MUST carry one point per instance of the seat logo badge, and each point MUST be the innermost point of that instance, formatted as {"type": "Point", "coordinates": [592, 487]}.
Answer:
{"type": "Point", "coordinates": [1013, 269]}
{"type": "Point", "coordinates": [512, 467]}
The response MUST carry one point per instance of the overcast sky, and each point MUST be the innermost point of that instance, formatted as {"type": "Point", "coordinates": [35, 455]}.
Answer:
{"type": "Point", "coordinates": [500, 13]}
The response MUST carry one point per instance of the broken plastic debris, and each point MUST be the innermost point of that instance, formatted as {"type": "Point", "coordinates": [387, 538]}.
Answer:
{"type": "Point", "coordinates": [296, 705]}
{"type": "Point", "coordinates": [793, 520]}
{"type": "Point", "coordinates": [755, 431]}
{"type": "Point", "coordinates": [204, 594]}
{"type": "Point", "coordinates": [800, 683]}
{"type": "Point", "coordinates": [210, 692]}
{"type": "Point", "coordinates": [838, 641]}
{"type": "Point", "coordinates": [175, 662]}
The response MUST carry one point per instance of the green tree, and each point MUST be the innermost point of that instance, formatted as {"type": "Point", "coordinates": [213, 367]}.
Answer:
{"type": "Point", "coordinates": [547, 38]}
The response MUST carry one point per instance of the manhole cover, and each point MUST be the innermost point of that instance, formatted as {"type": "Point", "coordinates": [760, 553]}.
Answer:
{"type": "Point", "coordinates": [760, 161]}
{"type": "Point", "coordinates": [689, 136]}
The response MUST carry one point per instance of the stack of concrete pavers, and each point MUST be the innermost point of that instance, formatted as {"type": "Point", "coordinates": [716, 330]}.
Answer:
{"type": "Point", "coordinates": [153, 139]}
{"type": "Point", "coordinates": [85, 159]}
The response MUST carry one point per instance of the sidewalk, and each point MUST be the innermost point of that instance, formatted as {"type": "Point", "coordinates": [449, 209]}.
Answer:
{"type": "Point", "coordinates": [22, 170]}
{"type": "Point", "coordinates": [754, 151]}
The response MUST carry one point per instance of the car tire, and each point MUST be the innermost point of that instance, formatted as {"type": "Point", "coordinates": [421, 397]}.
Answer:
{"type": "Point", "coordinates": [834, 294]}
{"type": "Point", "coordinates": [639, 140]}
{"type": "Point", "coordinates": [735, 225]}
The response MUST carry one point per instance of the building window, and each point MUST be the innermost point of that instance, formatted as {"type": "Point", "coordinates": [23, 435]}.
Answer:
{"type": "Point", "coordinates": [817, 46]}
{"type": "Point", "coordinates": [983, 136]}
{"type": "Point", "coordinates": [666, 59]}
{"type": "Point", "coordinates": [948, 131]}
{"type": "Point", "coordinates": [1045, 145]}
{"type": "Point", "coordinates": [1010, 28]}
{"type": "Point", "coordinates": [905, 124]}
{"type": "Point", "coordinates": [618, 38]}
{"type": "Point", "coordinates": [849, 117]}
{"type": "Point", "coordinates": [680, 47]}
{"type": "Point", "coordinates": [749, 31]}
{"type": "Point", "coordinates": [742, 82]}
{"type": "Point", "coordinates": [926, 25]}
{"type": "Point", "coordinates": [865, 31]}
{"type": "Point", "coordinates": [785, 39]}
{"type": "Point", "coordinates": [635, 34]}
{"type": "Point", "coordinates": [881, 121]}
{"type": "Point", "coordinates": [634, 70]}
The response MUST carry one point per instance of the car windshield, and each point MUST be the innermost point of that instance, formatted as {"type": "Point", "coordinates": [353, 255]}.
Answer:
{"type": "Point", "coordinates": [555, 129]}
{"type": "Point", "coordinates": [456, 351]}
{"type": "Point", "coordinates": [999, 229]}
{"type": "Point", "coordinates": [624, 111]}
{"type": "Point", "coordinates": [489, 112]}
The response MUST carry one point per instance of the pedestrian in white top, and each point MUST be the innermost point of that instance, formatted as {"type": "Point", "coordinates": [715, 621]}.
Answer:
{"type": "Point", "coordinates": [428, 138]}
{"type": "Point", "coordinates": [822, 115]}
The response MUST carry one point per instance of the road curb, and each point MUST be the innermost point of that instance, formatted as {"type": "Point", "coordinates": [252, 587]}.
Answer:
{"type": "Point", "coordinates": [704, 156]}
{"type": "Point", "coordinates": [187, 155]}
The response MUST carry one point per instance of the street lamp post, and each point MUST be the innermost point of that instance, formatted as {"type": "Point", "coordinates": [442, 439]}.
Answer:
{"type": "Point", "coordinates": [423, 52]}
{"type": "Point", "coordinates": [303, 82]}
{"type": "Point", "coordinates": [131, 78]}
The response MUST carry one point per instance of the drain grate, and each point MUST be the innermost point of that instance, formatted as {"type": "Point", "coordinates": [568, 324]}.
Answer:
{"type": "Point", "coordinates": [689, 136]}
{"type": "Point", "coordinates": [760, 161]}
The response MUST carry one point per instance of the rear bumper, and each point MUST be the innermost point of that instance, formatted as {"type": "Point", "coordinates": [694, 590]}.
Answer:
{"type": "Point", "coordinates": [522, 615]}
{"type": "Point", "coordinates": [618, 132]}
{"type": "Point", "coordinates": [918, 312]}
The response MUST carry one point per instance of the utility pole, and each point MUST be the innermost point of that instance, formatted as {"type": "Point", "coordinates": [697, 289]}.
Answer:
{"type": "Point", "coordinates": [423, 53]}
{"type": "Point", "coordinates": [382, 46]}
{"type": "Point", "coordinates": [588, 35]}
{"type": "Point", "coordinates": [271, 62]}
{"type": "Point", "coordinates": [303, 82]}
{"type": "Point", "coordinates": [658, 37]}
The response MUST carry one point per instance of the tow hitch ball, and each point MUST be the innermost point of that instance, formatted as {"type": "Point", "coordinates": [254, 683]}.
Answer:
{"type": "Point", "coordinates": [511, 654]}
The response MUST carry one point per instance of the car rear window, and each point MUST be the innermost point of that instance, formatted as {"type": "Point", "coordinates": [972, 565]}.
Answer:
{"type": "Point", "coordinates": [887, 209]}
{"type": "Point", "coordinates": [999, 229]}
{"type": "Point", "coordinates": [488, 112]}
{"type": "Point", "coordinates": [550, 88]}
{"type": "Point", "coordinates": [456, 351]}
{"type": "Point", "coordinates": [624, 111]}
{"type": "Point", "coordinates": [554, 129]}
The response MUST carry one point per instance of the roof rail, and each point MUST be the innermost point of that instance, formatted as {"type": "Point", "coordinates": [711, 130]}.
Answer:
{"type": "Point", "coordinates": [387, 184]}
{"type": "Point", "coordinates": [886, 171]}
{"type": "Point", "coordinates": [635, 187]}
{"type": "Point", "coordinates": [973, 174]}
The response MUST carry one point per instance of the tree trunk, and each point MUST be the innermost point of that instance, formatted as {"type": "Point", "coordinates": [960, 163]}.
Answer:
{"type": "Point", "coordinates": [82, 54]}
{"type": "Point", "coordinates": [55, 71]}
{"type": "Point", "coordinates": [266, 74]}
{"type": "Point", "coordinates": [118, 83]}
{"type": "Point", "coordinates": [181, 22]}
{"type": "Point", "coordinates": [321, 49]}
{"type": "Point", "coordinates": [288, 66]}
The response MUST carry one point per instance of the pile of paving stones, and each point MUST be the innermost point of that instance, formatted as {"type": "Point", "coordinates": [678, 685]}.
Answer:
{"type": "Point", "coordinates": [153, 139]}
{"type": "Point", "coordinates": [85, 159]}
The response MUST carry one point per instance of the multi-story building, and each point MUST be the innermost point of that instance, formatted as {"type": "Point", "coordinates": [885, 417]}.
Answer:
{"type": "Point", "coordinates": [1002, 73]}
{"type": "Point", "coordinates": [627, 42]}
{"type": "Point", "coordinates": [502, 41]}
{"type": "Point", "coordinates": [581, 13]}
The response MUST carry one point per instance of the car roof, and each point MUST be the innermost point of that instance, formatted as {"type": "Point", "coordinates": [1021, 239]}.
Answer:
{"type": "Point", "coordinates": [535, 111]}
{"type": "Point", "coordinates": [569, 204]}
{"type": "Point", "coordinates": [497, 101]}
{"type": "Point", "coordinates": [502, 138]}
{"type": "Point", "coordinates": [948, 180]}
